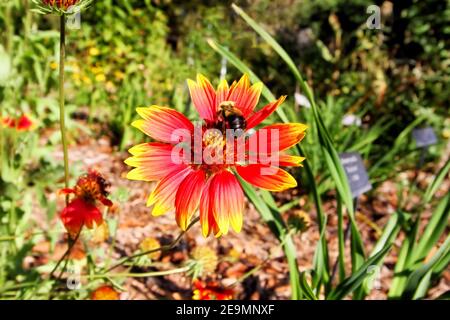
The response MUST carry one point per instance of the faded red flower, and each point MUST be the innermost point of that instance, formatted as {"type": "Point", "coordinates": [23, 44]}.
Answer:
{"type": "Point", "coordinates": [82, 210]}
{"type": "Point", "coordinates": [61, 4]}
{"type": "Point", "coordinates": [105, 293]}
{"type": "Point", "coordinates": [210, 291]}
{"type": "Point", "coordinates": [23, 123]}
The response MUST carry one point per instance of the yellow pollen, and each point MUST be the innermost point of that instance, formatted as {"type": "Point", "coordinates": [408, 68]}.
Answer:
{"type": "Point", "coordinates": [213, 138]}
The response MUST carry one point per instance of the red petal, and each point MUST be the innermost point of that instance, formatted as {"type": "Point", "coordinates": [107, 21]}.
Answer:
{"type": "Point", "coordinates": [163, 196]}
{"type": "Point", "coordinates": [153, 161]}
{"type": "Point", "coordinates": [203, 97]}
{"type": "Point", "coordinates": [227, 201]}
{"type": "Point", "coordinates": [266, 177]}
{"type": "Point", "coordinates": [164, 124]}
{"type": "Point", "coordinates": [262, 114]}
{"type": "Point", "coordinates": [276, 137]}
{"type": "Point", "coordinates": [79, 213]}
{"type": "Point", "coordinates": [188, 197]}
{"type": "Point", "coordinates": [245, 97]}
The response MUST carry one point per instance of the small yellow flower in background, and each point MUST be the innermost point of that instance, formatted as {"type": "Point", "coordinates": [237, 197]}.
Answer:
{"type": "Point", "coordinates": [96, 69]}
{"type": "Point", "coordinates": [94, 52]}
{"type": "Point", "coordinates": [105, 293]}
{"type": "Point", "coordinates": [446, 133]}
{"type": "Point", "coordinates": [109, 86]}
{"type": "Point", "coordinates": [119, 75]}
{"type": "Point", "coordinates": [54, 65]}
{"type": "Point", "coordinates": [299, 220]}
{"type": "Point", "coordinates": [86, 80]}
{"type": "Point", "coordinates": [150, 244]}
{"type": "Point", "coordinates": [100, 77]}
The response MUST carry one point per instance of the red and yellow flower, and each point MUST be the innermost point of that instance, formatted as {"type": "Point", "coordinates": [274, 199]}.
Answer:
{"type": "Point", "coordinates": [83, 209]}
{"type": "Point", "coordinates": [23, 123]}
{"type": "Point", "coordinates": [205, 174]}
{"type": "Point", "coordinates": [210, 291]}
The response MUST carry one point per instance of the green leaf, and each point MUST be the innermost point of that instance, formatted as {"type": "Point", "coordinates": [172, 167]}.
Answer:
{"type": "Point", "coordinates": [434, 186]}
{"type": "Point", "coordinates": [330, 154]}
{"type": "Point", "coordinates": [276, 224]}
{"type": "Point", "coordinates": [415, 278]}
{"type": "Point", "coordinates": [355, 280]}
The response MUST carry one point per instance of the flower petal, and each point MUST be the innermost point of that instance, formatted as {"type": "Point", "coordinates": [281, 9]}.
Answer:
{"type": "Point", "coordinates": [262, 114]}
{"type": "Point", "coordinates": [203, 97]}
{"type": "Point", "coordinates": [276, 137]}
{"type": "Point", "coordinates": [245, 97]}
{"type": "Point", "coordinates": [287, 160]}
{"type": "Point", "coordinates": [222, 92]}
{"type": "Point", "coordinates": [78, 213]}
{"type": "Point", "coordinates": [188, 197]}
{"type": "Point", "coordinates": [153, 161]}
{"type": "Point", "coordinates": [227, 201]}
{"type": "Point", "coordinates": [164, 124]}
{"type": "Point", "coordinates": [163, 196]}
{"type": "Point", "coordinates": [266, 177]}
{"type": "Point", "coordinates": [207, 221]}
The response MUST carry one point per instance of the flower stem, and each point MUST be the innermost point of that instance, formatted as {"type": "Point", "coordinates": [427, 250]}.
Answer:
{"type": "Point", "coordinates": [139, 275]}
{"type": "Point", "coordinates": [62, 114]}
{"type": "Point", "coordinates": [72, 243]}
{"type": "Point", "coordinates": [162, 248]}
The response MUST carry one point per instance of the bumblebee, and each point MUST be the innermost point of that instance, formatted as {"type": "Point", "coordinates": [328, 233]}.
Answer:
{"type": "Point", "coordinates": [231, 116]}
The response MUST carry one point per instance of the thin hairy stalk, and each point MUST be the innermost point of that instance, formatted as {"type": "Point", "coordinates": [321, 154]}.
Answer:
{"type": "Point", "coordinates": [66, 254]}
{"type": "Point", "coordinates": [162, 248]}
{"type": "Point", "coordinates": [62, 112]}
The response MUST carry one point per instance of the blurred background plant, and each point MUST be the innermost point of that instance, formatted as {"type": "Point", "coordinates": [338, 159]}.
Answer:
{"type": "Point", "coordinates": [371, 89]}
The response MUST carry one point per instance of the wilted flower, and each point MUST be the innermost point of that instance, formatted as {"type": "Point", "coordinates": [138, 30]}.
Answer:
{"type": "Point", "coordinates": [299, 220]}
{"type": "Point", "coordinates": [82, 210]}
{"type": "Point", "coordinates": [210, 291]}
{"type": "Point", "coordinates": [197, 166]}
{"type": "Point", "coordinates": [105, 293]}
{"type": "Point", "coordinates": [23, 123]}
{"type": "Point", "coordinates": [204, 261]}
{"type": "Point", "coordinates": [61, 7]}
{"type": "Point", "coordinates": [149, 244]}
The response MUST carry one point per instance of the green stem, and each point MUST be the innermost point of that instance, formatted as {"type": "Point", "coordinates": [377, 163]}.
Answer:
{"type": "Point", "coordinates": [66, 254]}
{"type": "Point", "coordinates": [62, 114]}
{"type": "Point", "coordinates": [162, 248]}
{"type": "Point", "coordinates": [138, 275]}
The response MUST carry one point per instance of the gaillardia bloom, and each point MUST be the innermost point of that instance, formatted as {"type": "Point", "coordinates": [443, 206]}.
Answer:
{"type": "Point", "coordinates": [197, 166]}
{"type": "Point", "coordinates": [210, 291]}
{"type": "Point", "coordinates": [23, 123]}
{"type": "Point", "coordinates": [83, 210]}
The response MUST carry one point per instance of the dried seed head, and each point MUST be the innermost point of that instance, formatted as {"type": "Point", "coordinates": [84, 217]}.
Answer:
{"type": "Point", "coordinates": [299, 220]}
{"type": "Point", "coordinates": [206, 259]}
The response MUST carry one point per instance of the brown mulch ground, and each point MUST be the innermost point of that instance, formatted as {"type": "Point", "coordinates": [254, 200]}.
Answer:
{"type": "Point", "coordinates": [238, 253]}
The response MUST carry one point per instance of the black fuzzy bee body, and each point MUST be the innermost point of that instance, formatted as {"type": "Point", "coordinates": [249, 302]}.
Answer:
{"type": "Point", "coordinates": [236, 122]}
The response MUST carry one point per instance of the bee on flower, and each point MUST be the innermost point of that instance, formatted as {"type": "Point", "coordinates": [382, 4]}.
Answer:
{"type": "Point", "coordinates": [201, 166]}
{"type": "Point", "coordinates": [82, 210]}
